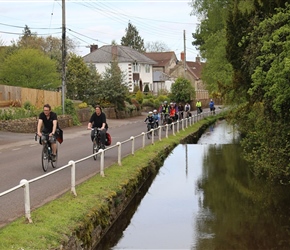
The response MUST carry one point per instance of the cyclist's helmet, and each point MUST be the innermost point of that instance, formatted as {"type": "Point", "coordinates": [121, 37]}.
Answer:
{"type": "Point", "coordinates": [154, 111]}
{"type": "Point", "coordinates": [150, 113]}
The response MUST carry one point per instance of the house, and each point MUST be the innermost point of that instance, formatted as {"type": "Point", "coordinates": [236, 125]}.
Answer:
{"type": "Point", "coordinates": [136, 66]}
{"type": "Point", "coordinates": [166, 61]}
{"type": "Point", "coordinates": [192, 72]}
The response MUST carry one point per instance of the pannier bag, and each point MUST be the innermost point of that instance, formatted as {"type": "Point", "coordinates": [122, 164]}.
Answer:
{"type": "Point", "coordinates": [108, 139]}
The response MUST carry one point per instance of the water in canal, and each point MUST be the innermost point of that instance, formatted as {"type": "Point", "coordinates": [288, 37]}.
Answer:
{"type": "Point", "coordinates": [205, 197]}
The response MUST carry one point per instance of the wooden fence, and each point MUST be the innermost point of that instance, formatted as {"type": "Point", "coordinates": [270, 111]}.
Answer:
{"type": "Point", "coordinates": [17, 96]}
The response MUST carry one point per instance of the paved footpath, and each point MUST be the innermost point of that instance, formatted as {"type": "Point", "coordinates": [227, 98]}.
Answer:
{"type": "Point", "coordinates": [10, 139]}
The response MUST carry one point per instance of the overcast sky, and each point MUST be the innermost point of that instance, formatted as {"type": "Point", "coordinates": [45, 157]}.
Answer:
{"type": "Point", "coordinates": [101, 22]}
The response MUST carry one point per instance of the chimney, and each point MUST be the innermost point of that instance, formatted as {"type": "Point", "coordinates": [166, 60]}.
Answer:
{"type": "Point", "coordinates": [197, 59]}
{"type": "Point", "coordinates": [93, 47]}
{"type": "Point", "coordinates": [114, 51]}
{"type": "Point", "coordinates": [182, 56]}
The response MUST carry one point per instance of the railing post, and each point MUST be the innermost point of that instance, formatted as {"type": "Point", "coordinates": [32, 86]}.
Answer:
{"type": "Point", "coordinates": [159, 132]}
{"type": "Point", "coordinates": [166, 132]}
{"type": "Point", "coordinates": [173, 132]}
{"type": "Point", "coordinates": [73, 177]}
{"type": "Point", "coordinates": [102, 162]}
{"type": "Point", "coordinates": [25, 184]}
{"type": "Point", "coordinates": [143, 133]}
{"type": "Point", "coordinates": [178, 124]}
{"type": "Point", "coordinates": [182, 124]}
{"type": "Point", "coordinates": [186, 121]}
{"type": "Point", "coordinates": [133, 144]}
{"type": "Point", "coordinates": [119, 153]}
{"type": "Point", "coordinates": [152, 135]}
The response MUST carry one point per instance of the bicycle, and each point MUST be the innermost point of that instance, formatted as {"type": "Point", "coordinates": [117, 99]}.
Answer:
{"type": "Point", "coordinates": [165, 120]}
{"type": "Point", "coordinates": [97, 145]}
{"type": "Point", "coordinates": [46, 155]}
{"type": "Point", "coordinates": [150, 125]}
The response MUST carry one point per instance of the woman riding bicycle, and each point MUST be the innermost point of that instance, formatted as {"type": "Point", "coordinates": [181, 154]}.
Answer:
{"type": "Point", "coordinates": [48, 122]}
{"type": "Point", "coordinates": [98, 120]}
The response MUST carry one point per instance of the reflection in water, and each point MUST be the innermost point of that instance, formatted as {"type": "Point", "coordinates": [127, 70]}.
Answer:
{"type": "Point", "coordinates": [205, 197]}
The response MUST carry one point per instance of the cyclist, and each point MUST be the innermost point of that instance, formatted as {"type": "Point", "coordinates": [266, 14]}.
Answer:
{"type": "Point", "coordinates": [150, 120]}
{"type": "Point", "coordinates": [98, 120]}
{"type": "Point", "coordinates": [211, 106]}
{"type": "Point", "coordinates": [165, 112]}
{"type": "Point", "coordinates": [48, 122]}
{"type": "Point", "coordinates": [198, 106]}
{"type": "Point", "coordinates": [156, 117]}
{"type": "Point", "coordinates": [172, 111]}
{"type": "Point", "coordinates": [187, 110]}
{"type": "Point", "coordinates": [180, 111]}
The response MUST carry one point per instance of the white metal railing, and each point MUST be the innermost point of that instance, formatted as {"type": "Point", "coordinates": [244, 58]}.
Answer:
{"type": "Point", "coordinates": [72, 164]}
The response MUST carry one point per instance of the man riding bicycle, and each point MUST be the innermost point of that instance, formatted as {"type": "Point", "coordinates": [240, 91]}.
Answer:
{"type": "Point", "coordinates": [98, 120]}
{"type": "Point", "coordinates": [48, 122]}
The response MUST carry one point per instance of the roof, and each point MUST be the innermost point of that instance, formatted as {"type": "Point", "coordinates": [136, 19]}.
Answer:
{"type": "Point", "coordinates": [162, 58]}
{"type": "Point", "coordinates": [195, 68]}
{"type": "Point", "coordinates": [125, 54]}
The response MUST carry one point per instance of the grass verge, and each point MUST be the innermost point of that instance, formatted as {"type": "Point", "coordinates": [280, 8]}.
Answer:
{"type": "Point", "coordinates": [54, 223]}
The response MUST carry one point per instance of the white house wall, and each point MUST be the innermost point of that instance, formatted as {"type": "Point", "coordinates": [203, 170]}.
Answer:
{"type": "Point", "coordinates": [127, 69]}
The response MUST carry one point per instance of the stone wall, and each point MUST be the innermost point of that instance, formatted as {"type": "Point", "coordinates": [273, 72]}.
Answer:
{"type": "Point", "coordinates": [112, 113]}
{"type": "Point", "coordinates": [28, 125]}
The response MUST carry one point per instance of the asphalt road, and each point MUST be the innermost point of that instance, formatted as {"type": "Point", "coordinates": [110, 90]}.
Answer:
{"type": "Point", "coordinates": [20, 158]}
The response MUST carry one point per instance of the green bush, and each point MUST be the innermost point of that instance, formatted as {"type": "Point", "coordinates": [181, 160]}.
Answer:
{"type": "Point", "coordinates": [139, 96]}
{"type": "Point", "coordinates": [70, 110]}
{"type": "Point", "coordinates": [148, 102]}
{"type": "Point", "coordinates": [129, 107]}
{"type": "Point", "coordinates": [136, 103]}
{"type": "Point", "coordinates": [82, 105]}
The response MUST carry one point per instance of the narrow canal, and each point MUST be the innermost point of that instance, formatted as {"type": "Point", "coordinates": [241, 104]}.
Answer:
{"type": "Point", "coordinates": [205, 197]}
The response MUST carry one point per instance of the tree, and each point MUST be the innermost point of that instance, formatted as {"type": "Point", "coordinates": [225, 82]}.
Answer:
{"type": "Point", "coordinates": [156, 46]}
{"type": "Point", "coordinates": [77, 76]}
{"type": "Point", "coordinates": [52, 46]}
{"type": "Point", "coordinates": [132, 39]}
{"type": "Point", "coordinates": [182, 91]}
{"type": "Point", "coordinates": [30, 68]}
{"type": "Point", "coordinates": [111, 88]}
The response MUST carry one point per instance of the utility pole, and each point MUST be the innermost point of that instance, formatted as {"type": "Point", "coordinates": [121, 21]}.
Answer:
{"type": "Point", "coordinates": [63, 58]}
{"type": "Point", "coordinates": [184, 44]}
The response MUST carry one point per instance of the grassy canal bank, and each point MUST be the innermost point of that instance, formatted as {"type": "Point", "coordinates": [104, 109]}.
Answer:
{"type": "Point", "coordinates": [80, 222]}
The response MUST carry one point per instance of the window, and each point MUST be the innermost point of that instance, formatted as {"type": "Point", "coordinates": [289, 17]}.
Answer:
{"type": "Point", "coordinates": [135, 67]}
{"type": "Point", "coordinates": [147, 68]}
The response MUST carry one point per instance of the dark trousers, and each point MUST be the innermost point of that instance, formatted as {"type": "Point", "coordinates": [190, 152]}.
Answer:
{"type": "Point", "coordinates": [102, 135]}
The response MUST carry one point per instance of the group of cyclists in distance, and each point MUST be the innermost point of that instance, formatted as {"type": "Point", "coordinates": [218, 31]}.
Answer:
{"type": "Point", "coordinates": [168, 113]}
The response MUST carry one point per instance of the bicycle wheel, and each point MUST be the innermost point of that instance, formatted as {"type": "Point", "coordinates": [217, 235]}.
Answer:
{"type": "Point", "coordinates": [148, 129]}
{"type": "Point", "coordinates": [155, 129]}
{"type": "Point", "coordinates": [54, 163]}
{"type": "Point", "coordinates": [96, 147]}
{"type": "Point", "coordinates": [44, 158]}
{"type": "Point", "coordinates": [164, 122]}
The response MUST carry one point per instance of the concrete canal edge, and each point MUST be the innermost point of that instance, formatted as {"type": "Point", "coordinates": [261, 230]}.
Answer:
{"type": "Point", "coordinates": [118, 188]}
